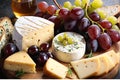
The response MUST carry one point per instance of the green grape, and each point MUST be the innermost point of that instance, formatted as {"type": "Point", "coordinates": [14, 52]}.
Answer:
{"type": "Point", "coordinates": [64, 42]}
{"type": "Point", "coordinates": [84, 3]}
{"type": "Point", "coordinates": [68, 5]}
{"type": "Point", "coordinates": [65, 36]}
{"type": "Point", "coordinates": [96, 4]}
{"type": "Point", "coordinates": [57, 11]}
{"type": "Point", "coordinates": [112, 19]}
{"type": "Point", "coordinates": [60, 38]}
{"type": "Point", "coordinates": [77, 2]}
{"type": "Point", "coordinates": [115, 27]}
{"type": "Point", "coordinates": [74, 6]}
{"type": "Point", "coordinates": [101, 13]}
{"type": "Point", "coordinates": [70, 40]}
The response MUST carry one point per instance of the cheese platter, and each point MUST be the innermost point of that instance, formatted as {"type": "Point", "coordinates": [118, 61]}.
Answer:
{"type": "Point", "coordinates": [72, 42]}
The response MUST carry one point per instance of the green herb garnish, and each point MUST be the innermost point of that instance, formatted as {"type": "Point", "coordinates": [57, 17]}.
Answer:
{"type": "Point", "coordinates": [89, 55]}
{"type": "Point", "coordinates": [69, 70]}
{"type": "Point", "coordinates": [19, 73]}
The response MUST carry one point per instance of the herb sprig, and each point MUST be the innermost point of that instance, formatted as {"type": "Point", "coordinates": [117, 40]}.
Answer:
{"type": "Point", "coordinates": [19, 73]}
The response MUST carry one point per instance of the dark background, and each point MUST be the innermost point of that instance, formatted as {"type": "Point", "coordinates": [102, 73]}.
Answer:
{"type": "Point", "coordinates": [5, 10]}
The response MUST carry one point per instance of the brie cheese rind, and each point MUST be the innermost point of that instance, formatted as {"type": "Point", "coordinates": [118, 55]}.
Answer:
{"type": "Point", "coordinates": [31, 30]}
{"type": "Point", "coordinates": [70, 52]}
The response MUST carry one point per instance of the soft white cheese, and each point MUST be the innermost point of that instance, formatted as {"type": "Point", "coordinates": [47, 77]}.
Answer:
{"type": "Point", "coordinates": [30, 30]}
{"type": "Point", "coordinates": [69, 52]}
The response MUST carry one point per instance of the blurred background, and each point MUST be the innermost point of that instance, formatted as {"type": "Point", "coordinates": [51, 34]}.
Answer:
{"type": "Point", "coordinates": [5, 5]}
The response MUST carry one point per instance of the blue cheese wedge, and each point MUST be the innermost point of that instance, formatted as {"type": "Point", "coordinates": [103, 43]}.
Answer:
{"type": "Point", "coordinates": [6, 23]}
{"type": "Point", "coordinates": [6, 29]}
{"type": "Point", "coordinates": [3, 39]}
{"type": "Point", "coordinates": [69, 52]}
{"type": "Point", "coordinates": [30, 30]}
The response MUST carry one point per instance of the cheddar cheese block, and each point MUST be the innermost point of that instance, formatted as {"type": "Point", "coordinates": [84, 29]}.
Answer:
{"type": "Point", "coordinates": [85, 68]}
{"type": "Point", "coordinates": [20, 61]}
{"type": "Point", "coordinates": [55, 69]}
{"type": "Point", "coordinates": [30, 30]}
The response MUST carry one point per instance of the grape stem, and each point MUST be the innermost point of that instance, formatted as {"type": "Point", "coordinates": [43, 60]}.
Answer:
{"type": "Point", "coordinates": [56, 3]}
{"type": "Point", "coordinates": [93, 22]}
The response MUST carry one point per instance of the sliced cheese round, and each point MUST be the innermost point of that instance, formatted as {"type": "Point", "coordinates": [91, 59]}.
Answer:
{"type": "Point", "coordinates": [69, 52]}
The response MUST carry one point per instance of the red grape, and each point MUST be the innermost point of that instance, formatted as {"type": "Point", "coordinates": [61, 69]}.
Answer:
{"type": "Point", "coordinates": [105, 24]}
{"type": "Point", "coordinates": [55, 20]}
{"type": "Point", "coordinates": [39, 14]}
{"type": "Point", "coordinates": [77, 13]}
{"type": "Point", "coordinates": [94, 16]}
{"type": "Point", "coordinates": [44, 47]}
{"type": "Point", "coordinates": [83, 24]}
{"type": "Point", "coordinates": [94, 45]}
{"type": "Point", "coordinates": [70, 25]}
{"type": "Point", "coordinates": [88, 46]}
{"type": "Point", "coordinates": [9, 49]}
{"type": "Point", "coordinates": [85, 35]}
{"type": "Point", "coordinates": [58, 26]}
{"type": "Point", "coordinates": [49, 54]}
{"type": "Point", "coordinates": [91, 45]}
{"type": "Point", "coordinates": [94, 32]}
{"type": "Point", "coordinates": [43, 6]}
{"type": "Point", "coordinates": [63, 13]}
{"type": "Point", "coordinates": [51, 9]}
{"type": "Point", "coordinates": [46, 16]}
{"type": "Point", "coordinates": [114, 35]}
{"type": "Point", "coordinates": [32, 50]}
{"type": "Point", "coordinates": [104, 41]}
{"type": "Point", "coordinates": [41, 58]}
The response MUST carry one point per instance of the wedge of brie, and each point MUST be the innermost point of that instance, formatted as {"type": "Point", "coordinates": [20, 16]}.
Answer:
{"type": "Point", "coordinates": [31, 30]}
{"type": "Point", "coordinates": [69, 52]}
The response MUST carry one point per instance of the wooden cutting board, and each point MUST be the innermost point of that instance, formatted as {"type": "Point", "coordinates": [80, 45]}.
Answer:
{"type": "Point", "coordinates": [40, 75]}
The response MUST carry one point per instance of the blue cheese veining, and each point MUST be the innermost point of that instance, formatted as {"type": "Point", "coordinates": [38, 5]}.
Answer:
{"type": "Point", "coordinates": [69, 52]}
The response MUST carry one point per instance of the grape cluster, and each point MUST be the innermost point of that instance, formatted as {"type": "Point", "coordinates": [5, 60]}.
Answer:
{"type": "Point", "coordinates": [84, 17]}
{"type": "Point", "coordinates": [46, 10]}
{"type": "Point", "coordinates": [40, 55]}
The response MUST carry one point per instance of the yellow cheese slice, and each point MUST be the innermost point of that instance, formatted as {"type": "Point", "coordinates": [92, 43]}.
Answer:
{"type": "Point", "coordinates": [55, 69]}
{"type": "Point", "coordinates": [20, 61]}
{"type": "Point", "coordinates": [103, 65]}
{"type": "Point", "coordinates": [85, 68]}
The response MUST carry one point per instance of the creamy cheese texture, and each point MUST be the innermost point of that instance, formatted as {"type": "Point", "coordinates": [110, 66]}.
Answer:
{"type": "Point", "coordinates": [20, 61]}
{"type": "Point", "coordinates": [30, 30]}
{"type": "Point", "coordinates": [69, 52]}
